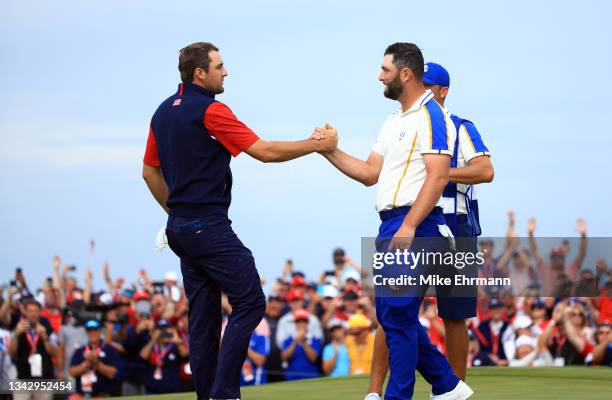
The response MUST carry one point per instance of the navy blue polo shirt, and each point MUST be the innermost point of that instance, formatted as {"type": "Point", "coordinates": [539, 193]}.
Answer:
{"type": "Point", "coordinates": [103, 385]}
{"type": "Point", "coordinates": [170, 381]}
{"type": "Point", "coordinates": [192, 138]}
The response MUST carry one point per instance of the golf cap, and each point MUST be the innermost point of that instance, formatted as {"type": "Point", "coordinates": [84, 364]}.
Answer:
{"type": "Point", "coordinates": [298, 281]}
{"type": "Point", "coordinates": [522, 322]}
{"type": "Point", "coordinates": [330, 291]}
{"type": "Point", "coordinates": [495, 303]}
{"type": "Point", "coordinates": [301, 314]}
{"type": "Point", "coordinates": [171, 276]}
{"type": "Point", "coordinates": [92, 325]}
{"type": "Point", "coordinates": [358, 321]}
{"type": "Point", "coordinates": [295, 294]}
{"type": "Point", "coordinates": [435, 74]}
{"type": "Point", "coordinates": [351, 274]}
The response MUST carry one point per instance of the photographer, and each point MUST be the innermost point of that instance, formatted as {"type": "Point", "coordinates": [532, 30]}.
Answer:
{"type": "Point", "coordinates": [136, 339]}
{"type": "Point", "coordinates": [96, 366]}
{"type": "Point", "coordinates": [163, 354]}
{"type": "Point", "coordinates": [32, 346]}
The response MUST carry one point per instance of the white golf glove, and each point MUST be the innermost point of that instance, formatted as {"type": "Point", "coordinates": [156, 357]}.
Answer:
{"type": "Point", "coordinates": [161, 240]}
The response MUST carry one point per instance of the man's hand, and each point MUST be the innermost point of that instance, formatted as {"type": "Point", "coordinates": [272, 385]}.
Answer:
{"type": "Point", "coordinates": [581, 227]}
{"type": "Point", "coordinates": [402, 239]}
{"type": "Point", "coordinates": [511, 217]}
{"type": "Point", "coordinates": [40, 330]}
{"type": "Point", "coordinates": [531, 225]}
{"type": "Point", "coordinates": [300, 335]}
{"type": "Point", "coordinates": [329, 142]}
{"type": "Point", "coordinates": [91, 357]}
{"type": "Point", "coordinates": [56, 263]}
{"type": "Point", "coordinates": [21, 327]}
{"type": "Point", "coordinates": [558, 311]}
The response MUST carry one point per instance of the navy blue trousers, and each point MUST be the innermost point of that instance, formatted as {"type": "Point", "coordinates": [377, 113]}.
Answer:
{"type": "Point", "coordinates": [214, 260]}
{"type": "Point", "coordinates": [409, 346]}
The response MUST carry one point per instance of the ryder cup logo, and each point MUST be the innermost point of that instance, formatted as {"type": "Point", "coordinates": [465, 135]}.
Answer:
{"type": "Point", "coordinates": [426, 68]}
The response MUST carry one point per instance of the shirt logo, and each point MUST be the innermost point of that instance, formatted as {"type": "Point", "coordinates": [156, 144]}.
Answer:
{"type": "Point", "coordinates": [177, 102]}
{"type": "Point", "coordinates": [401, 136]}
{"type": "Point", "coordinates": [426, 68]}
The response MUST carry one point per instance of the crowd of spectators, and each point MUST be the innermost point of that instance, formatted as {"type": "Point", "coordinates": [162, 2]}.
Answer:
{"type": "Point", "coordinates": [131, 338]}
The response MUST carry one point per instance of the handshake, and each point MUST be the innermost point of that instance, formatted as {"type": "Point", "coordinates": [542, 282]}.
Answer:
{"type": "Point", "coordinates": [327, 137]}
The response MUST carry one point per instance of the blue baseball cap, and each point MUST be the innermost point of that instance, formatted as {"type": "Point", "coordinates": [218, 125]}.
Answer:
{"type": "Point", "coordinates": [92, 325]}
{"type": "Point", "coordinates": [495, 303]}
{"type": "Point", "coordinates": [435, 74]}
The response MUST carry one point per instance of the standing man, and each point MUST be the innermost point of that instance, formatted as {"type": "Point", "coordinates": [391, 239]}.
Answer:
{"type": "Point", "coordinates": [186, 167]}
{"type": "Point", "coordinates": [410, 162]}
{"type": "Point", "coordinates": [470, 164]}
{"type": "Point", "coordinates": [33, 347]}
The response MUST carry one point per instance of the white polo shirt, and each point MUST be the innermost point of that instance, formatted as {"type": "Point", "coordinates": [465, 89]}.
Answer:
{"type": "Point", "coordinates": [470, 146]}
{"type": "Point", "coordinates": [403, 139]}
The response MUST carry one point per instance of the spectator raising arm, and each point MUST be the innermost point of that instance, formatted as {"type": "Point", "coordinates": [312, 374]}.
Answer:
{"type": "Point", "coordinates": [533, 246]}
{"type": "Point", "coordinates": [574, 268]}
{"type": "Point", "coordinates": [88, 286]}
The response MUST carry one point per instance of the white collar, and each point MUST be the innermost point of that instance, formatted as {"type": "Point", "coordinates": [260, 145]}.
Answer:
{"type": "Point", "coordinates": [421, 101]}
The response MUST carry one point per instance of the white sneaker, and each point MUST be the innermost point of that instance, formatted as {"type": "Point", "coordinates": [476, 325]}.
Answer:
{"type": "Point", "coordinates": [461, 392]}
{"type": "Point", "coordinates": [372, 396]}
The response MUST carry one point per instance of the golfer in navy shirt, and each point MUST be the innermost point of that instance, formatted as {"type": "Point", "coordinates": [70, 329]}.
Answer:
{"type": "Point", "coordinates": [187, 169]}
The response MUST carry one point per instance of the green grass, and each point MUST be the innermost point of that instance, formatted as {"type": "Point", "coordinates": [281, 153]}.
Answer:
{"type": "Point", "coordinates": [568, 383]}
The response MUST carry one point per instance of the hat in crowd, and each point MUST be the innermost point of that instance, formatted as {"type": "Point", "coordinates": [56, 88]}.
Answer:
{"type": "Point", "coordinates": [295, 294]}
{"type": "Point", "coordinates": [300, 314]}
{"type": "Point", "coordinates": [330, 291]}
{"type": "Point", "coordinates": [298, 281]}
{"type": "Point", "coordinates": [92, 325]}
{"type": "Point", "coordinates": [275, 296]}
{"type": "Point", "coordinates": [525, 340]}
{"type": "Point", "coordinates": [171, 276]}
{"type": "Point", "coordinates": [435, 74]}
{"type": "Point", "coordinates": [339, 252]}
{"type": "Point", "coordinates": [350, 295]}
{"type": "Point", "coordinates": [351, 274]}
{"type": "Point", "coordinates": [163, 324]}
{"type": "Point", "coordinates": [127, 292]}
{"type": "Point", "coordinates": [604, 323]}
{"type": "Point", "coordinates": [335, 322]}
{"type": "Point", "coordinates": [522, 322]}
{"type": "Point", "coordinates": [141, 295]}
{"type": "Point", "coordinates": [298, 273]}
{"type": "Point", "coordinates": [538, 304]}
{"type": "Point", "coordinates": [106, 298]}
{"type": "Point", "coordinates": [358, 321]}
{"type": "Point", "coordinates": [495, 303]}
{"type": "Point", "coordinates": [330, 280]}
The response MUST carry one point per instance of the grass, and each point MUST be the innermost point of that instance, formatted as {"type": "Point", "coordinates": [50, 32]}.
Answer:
{"type": "Point", "coordinates": [568, 383]}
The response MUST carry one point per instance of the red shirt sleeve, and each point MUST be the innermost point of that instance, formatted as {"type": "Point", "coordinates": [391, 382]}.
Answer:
{"type": "Point", "coordinates": [223, 125]}
{"type": "Point", "coordinates": [151, 157]}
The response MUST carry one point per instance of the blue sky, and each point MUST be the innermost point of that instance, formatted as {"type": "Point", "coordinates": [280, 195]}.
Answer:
{"type": "Point", "coordinates": [79, 82]}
